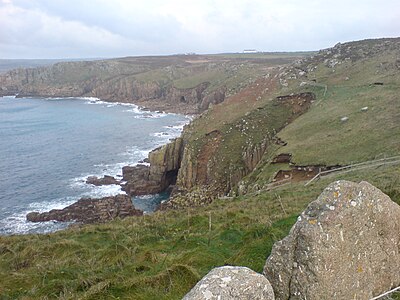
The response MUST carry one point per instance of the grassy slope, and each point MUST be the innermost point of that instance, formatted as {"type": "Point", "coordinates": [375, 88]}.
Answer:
{"type": "Point", "coordinates": [163, 255]}
{"type": "Point", "coordinates": [320, 137]}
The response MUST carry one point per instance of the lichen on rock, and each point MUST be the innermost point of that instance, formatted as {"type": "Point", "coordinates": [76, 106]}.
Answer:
{"type": "Point", "coordinates": [226, 283]}
{"type": "Point", "coordinates": [345, 245]}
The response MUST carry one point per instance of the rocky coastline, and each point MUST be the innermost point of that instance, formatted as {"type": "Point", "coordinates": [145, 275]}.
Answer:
{"type": "Point", "coordinates": [158, 175]}
{"type": "Point", "coordinates": [114, 82]}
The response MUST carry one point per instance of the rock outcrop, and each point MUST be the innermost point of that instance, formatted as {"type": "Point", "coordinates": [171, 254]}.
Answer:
{"type": "Point", "coordinates": [221, 158]}
{"type": "Point", "coordinates": [164, 161]}
{"type": "Point", "coordinates": [227, 283]}
{"type": "Point", "coordinates": [345, 245]}
{"type": "Point", "coordinates": [105, 180]}
{"type": "Point", "coordinates": [88, 210]}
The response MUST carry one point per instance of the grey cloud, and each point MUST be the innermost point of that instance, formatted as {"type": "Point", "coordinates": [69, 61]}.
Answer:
{"type": "Point", "coordinates": [73, 28]}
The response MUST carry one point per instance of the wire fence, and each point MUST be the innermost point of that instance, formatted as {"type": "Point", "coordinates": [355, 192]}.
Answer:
{"type": "Point", "coordinates": [386, 293]}
{"type": "Point", "coordinates": [359, 166]}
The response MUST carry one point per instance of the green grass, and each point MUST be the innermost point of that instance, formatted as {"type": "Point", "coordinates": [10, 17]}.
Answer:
{"type": "Point", "coordinates": [263, 55]}
{"type": "Point", "coordinates": [191, 81]}
{"type": "Point", "coordinates": [160, 256]}
{"type": "Point", "coordinates": [319, 136]}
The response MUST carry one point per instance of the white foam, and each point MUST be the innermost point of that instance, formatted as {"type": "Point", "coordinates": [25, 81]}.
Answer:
{"type": "Point", "coordinates": [17, 223]}
{"type": "Point", "coordinates": [150, 115]}
{"type": "Point", "coordinates": [88, 98]}
{"type": "Point", "coordinates": [46, 206]}
{"type": "Point", "coordinates": [9, 97]}
{"type": "Point", "coordinates": [161, 134]}
{"type": "Point", "coordinates": [104, 191]}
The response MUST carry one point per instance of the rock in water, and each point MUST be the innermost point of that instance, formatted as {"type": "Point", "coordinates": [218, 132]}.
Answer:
{"type": "Point", "coordinates": [345, 245]}
{"type": "Point", "coordinates": [87, 210]}
{"type": "Point", "coordinates": [105, 180]}
{"type": "Point", "coordinates": [226, 283]}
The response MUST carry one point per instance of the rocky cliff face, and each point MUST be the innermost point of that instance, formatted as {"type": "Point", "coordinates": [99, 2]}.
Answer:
{"type": "Point", "coordinates": [221, 158]}
{"type": "Point", "coordinates": [162, 172]}
{"type": "Point", "coordinates": [118, 81]}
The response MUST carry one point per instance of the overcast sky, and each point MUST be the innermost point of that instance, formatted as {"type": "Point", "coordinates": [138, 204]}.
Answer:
{"type": "Point", "coordinates": [114, 28]}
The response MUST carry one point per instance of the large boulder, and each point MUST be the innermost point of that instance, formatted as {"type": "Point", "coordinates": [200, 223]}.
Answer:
{"type": "Point", "coordinates": [345, 245]}
{"type": "Point", "coordinates": [226, 283]}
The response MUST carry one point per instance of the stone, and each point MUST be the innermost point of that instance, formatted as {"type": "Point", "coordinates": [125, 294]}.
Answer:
{"type": "Point", "coordinates": [226, 283]}
{"type": "Point", "coordinates": [162, 172]}
{"type": "Point", "coordinates": [105, 180]}
{"type": "Point", "coordinates": [345, 245]}
{"type": "Point", "coordinates": [87, 210]}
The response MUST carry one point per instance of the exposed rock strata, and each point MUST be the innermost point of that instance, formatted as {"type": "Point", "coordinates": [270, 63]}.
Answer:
{"type": "Point", "coordinates": [202, 159]}
{"type": "Point", "coordinates": [227, 282]}
{"type": "Point", "coordinates": [88, 210]}
{"type": "Point", "coordinates": [196, 197]}
{"type": "Point", "coordinates": [111, 81]}
{"type": "Point", "coordinates": [164, 161]}
{"type": "Point", "coordinates": [345, 245]}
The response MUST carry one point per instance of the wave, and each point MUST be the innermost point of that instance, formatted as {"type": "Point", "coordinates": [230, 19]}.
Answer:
{"type": "Point", "coordinates": [161, 134]}
{"type": "Point", "coordinates": [16, 223]}
{"type": "Point", "coordinates": [139, 112]}
{"type": "Point", "coordinates": [150, 115]}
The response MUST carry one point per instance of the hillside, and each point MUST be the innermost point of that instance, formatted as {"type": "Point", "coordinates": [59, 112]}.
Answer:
{"type": "Point", "coordinates": [240, 185]}
{"type": "Point", "coordinates": [334, 108]}
{"type": "Point", "coordinates": [178, 83]}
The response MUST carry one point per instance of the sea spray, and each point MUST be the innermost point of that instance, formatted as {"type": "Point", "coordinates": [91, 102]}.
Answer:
{"type": "Point", "coordinates": [50, 146]}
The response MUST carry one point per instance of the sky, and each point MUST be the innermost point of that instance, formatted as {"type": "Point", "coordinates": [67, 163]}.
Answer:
{"type": "Point", "coordinates": [118, 28]}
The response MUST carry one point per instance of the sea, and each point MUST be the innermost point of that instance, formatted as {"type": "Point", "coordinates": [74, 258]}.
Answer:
{"type": "Point", "coordinates": [48, 147]}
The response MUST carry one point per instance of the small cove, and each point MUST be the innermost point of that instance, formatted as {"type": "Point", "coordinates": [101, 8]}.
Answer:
{"type": "Point", "coordinates": [50, 146]}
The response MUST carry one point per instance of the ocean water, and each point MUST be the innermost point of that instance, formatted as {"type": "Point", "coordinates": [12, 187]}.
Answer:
{"type": "Point", "coordinates": [48, 147]}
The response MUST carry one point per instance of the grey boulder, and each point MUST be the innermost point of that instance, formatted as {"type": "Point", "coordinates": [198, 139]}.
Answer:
{"type": "Point", "coordinates": [228, 283]}
{"type": "Point", "coordinates": [345, 245]}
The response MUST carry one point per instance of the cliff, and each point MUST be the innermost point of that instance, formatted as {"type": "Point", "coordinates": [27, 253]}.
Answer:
{"type": "Point", "coordinates": [271, 128]}
{"type": "Point", "coordinates": [296, 111]}
{"type": "Point", "coordinates": [159, 175]}
{"type": "Point", "coordinates": [218, 160]}
{"type": "Point", "coordinates": [186, 84]}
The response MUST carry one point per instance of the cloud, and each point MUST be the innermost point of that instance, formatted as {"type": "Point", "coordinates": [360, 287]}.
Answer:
{"type": "Point", "coordinates": [102, 28]}
{"type": "Point", "coordinates": [33, 32]}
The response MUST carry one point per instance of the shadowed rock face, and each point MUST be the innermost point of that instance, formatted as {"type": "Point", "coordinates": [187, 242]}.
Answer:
{"type": "Point", "coordinates": [164, 162]}
{"type": "Point", "coordinates": [238, 283]}
{"type": "Point", "coordinates": [345, 245]}
{"type": "Point", "coordinates": [90, 211]}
